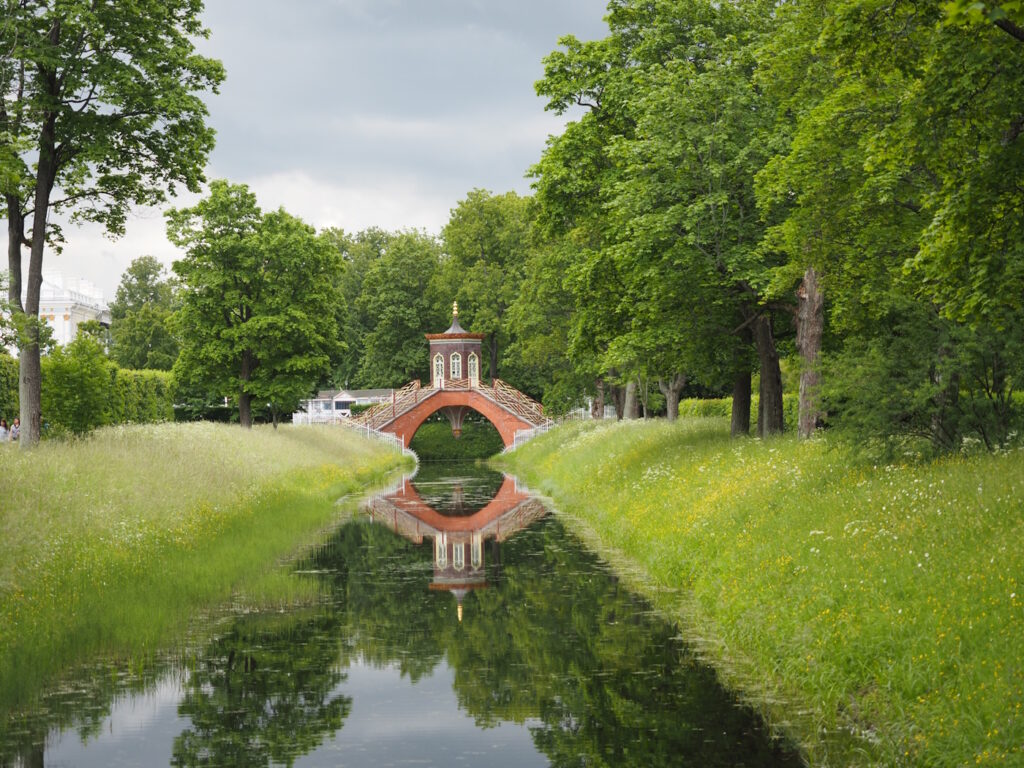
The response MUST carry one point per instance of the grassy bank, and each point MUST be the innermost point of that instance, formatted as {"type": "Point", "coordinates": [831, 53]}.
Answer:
{"type": "Point", "coordinates": [876, 614]}
{"type": "Point", "coordinates": [111, 544]}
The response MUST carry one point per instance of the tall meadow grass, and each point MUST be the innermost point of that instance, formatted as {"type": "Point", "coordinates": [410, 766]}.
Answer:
{"type": "Point", "coordinates": [874, 613]}
{"type": "Point", "coordinates": [112, 543]}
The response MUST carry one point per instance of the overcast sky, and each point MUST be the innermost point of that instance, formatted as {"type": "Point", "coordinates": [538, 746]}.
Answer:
{"type": "Point", "coordinates": [355, 113]}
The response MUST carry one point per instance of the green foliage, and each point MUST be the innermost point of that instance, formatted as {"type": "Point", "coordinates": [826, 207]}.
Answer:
{"type": "Point", "coordinates": [144, 283]}
{"type": "Point", "coordinates": [434, 441]}
{"type": "Point", "coordinates": [8, 387]}
{"type": "Point", "coordinates": [695, 407]}
{"type": "Point", "coordinates": [486, 241]}
{"type": "Point", "coordinates": [143, 339]}
{"type": "Point", "coordinates": [260, 310]}
{"type": "Point", "coordinates": [83, 390]}
{"type": "Point", "coordinates": [398, 303]}
{"type": "Point", "coordinates": [898, 138]}
{"type": "Point", "coordinates": [76, 388]}
{"type": "Point", "coordinates": [141, 397]}
{"type": "Point", "coordinates": [928, 380]}
{"type": "Point", "coordinates": [358, 253]}
{"type": "Point", "coordinates": [140, 318]}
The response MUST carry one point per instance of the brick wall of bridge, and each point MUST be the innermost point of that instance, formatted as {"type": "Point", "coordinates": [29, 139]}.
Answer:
{"type": "Point", "coordinates": [506, 423]}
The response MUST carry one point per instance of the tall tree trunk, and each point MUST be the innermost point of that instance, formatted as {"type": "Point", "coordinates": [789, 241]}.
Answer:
{"type": "Point", "coordinates": [671, 390]}
{"type": "Point", "coordinates": [30, 376]}
{"type": "Point", "coordinates": [769, 407]}
{"type": "Point", "coordinates": [810, 323]}
{"type": "Point", "coordinates": [492, 347]}
{"type": "Point", "coordinates": [945, 430]}
{"type": "Point", "coordinates": [244, 398]}
{"type": "Point", "coordinates": [630, 409]}
{"type": "Point", "coordinates": [618, 397]}
{"type": "Point", "coordinates": [597, 404]}
{"type": "Point", "coordinates": [29, 364]}
{"type": "Point", "coordinates": [740, 423]}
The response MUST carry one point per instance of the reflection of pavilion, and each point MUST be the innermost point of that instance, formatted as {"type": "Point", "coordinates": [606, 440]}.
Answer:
{"type": "Point", "coordinates": [458, 540]}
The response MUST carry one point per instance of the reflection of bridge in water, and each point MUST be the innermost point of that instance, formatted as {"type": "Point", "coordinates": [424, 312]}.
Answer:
{"type": "Point", "coordinates": [459, 540]}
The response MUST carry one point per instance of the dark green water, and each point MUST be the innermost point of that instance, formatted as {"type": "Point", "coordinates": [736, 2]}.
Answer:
{"type": "Point", "coordinates": [521, 650]}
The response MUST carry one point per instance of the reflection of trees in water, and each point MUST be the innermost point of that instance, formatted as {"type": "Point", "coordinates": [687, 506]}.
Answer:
{"type": "Point", "coordinates": [82, 703]}
{"type": "Point", "coordinates": [264, 694]}
{"type": "Point", "coordinates": [555, 642]}
{"type": "Point", "coordinates": [456, 488]}
{"type": "Point", "coordinates": [555, 639]}
{"type": "Point", "coordinates": [563, 642]}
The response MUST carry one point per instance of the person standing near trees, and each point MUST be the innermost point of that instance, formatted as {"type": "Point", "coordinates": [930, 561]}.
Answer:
{"type": "Point", "coordinates": [15, 430]}
{"type": "Point", "coordinates": [3, 431]}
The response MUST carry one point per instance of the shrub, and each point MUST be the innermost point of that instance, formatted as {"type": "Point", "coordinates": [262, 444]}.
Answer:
{"type": "Point", "coordinates": [8, 387]}
{"type": "Point", "coordinates": [83, 390]}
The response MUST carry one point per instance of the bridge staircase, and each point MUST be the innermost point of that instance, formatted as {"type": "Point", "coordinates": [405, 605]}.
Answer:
{"type": "Point", "coordinates": [500, 393]}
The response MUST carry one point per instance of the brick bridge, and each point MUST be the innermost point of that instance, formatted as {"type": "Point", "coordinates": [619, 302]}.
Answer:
{"type": "Point", "coordinates": [455, 389]}
{"type": "Point", "coordinates": [508, 409]}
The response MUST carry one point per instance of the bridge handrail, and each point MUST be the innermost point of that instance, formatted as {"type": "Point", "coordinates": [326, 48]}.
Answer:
{"type": "Point", "coordinates": [401, 400]}
{"type": "Point", "coordinates": [409, 396]}
{"type": "Point", "coordinates": [523, 406]}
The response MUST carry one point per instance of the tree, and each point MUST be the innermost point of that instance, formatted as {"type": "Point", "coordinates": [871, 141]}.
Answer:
{"type": "Point", "coordinates": [140, 315]}
{"type": "Point", "coordinates": [100, 111]}
{"type": "Point", "coordinates": [399, 305]}
{"type": "Point", "coordinates": [144, 283]}
{"type": "Point", "coordinates": [896, 187]}
{"type": "Point", "coordinates": [540, 319]}
{"type": "Point", "coordinates": [655, 185]}
{"type": "Point", "coordinates": [358, 253]}
{"type": "Point", "coordinates": [259, 312]}
{"type": "Point", "coordinates": [486, 241]}
{"type": "Point", "coordinates": [573, 181]}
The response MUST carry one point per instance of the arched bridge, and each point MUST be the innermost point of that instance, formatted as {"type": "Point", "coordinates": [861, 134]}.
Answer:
{"type": "Point", "coordinates": [508, 409]}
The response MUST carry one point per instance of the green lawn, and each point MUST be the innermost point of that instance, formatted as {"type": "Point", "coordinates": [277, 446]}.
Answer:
{"type": "Point", "coordinates": [112, 543]}
{"type": "Point", "coordinates": [875, 613]}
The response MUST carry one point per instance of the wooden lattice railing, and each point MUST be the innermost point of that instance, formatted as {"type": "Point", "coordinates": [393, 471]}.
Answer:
{"type": "Point", "coordinates": [513, 400]}
{"type": "Point", "coordinates": [406, 398]}
{"type": "Point", "coordinates": [401, 401]}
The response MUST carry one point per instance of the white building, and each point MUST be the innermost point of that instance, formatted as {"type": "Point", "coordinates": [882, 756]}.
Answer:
{"type": "Point", "coordinates": [329, 406]}
{"type": "Point", "coordinates": [65, 307]}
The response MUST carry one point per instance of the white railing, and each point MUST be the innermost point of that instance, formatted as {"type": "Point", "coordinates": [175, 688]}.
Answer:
{"type": "Point", "coordinates": [395, 441]}
{"type": "Point", "coordinates": [319, 417]}
{"type": "Point", "coordinates": [525, 435]}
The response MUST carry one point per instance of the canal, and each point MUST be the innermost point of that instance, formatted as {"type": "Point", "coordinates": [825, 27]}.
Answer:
{"type": "Point", "coordinates": [460, 623]}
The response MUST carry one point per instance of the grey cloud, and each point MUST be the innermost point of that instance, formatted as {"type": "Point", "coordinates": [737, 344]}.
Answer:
{"type": "Point", "coordinates": [295, 71]}
{"type": "Point", "coordinates": [363, 112]}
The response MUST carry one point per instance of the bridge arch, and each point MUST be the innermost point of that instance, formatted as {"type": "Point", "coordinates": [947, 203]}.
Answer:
{"type": "Point", "coordinates": [506, 422]}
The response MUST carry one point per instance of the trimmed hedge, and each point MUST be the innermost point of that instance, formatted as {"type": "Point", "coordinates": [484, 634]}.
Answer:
{"type": "Point", "coordinates": [140, 397]}
{"type": "Point", "coordinates": [722, 407]}
{"type": "Point", "coordinates": [82, 390]}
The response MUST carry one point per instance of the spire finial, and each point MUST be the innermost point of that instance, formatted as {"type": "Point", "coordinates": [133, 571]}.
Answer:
{"type": "Point", "coordinates": [455, 309]}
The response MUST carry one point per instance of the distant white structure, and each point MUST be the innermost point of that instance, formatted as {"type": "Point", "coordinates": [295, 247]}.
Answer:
{"type": "Point", "coordinates": [332, 405]}
{"type": "Point", "coordinates": [64, 308]}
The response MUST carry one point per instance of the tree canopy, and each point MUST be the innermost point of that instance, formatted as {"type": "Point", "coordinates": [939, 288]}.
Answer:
{"type": "Point", "coordinates": [259, 307]}
{"type": "Point", "coordinates": [101, 111]}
